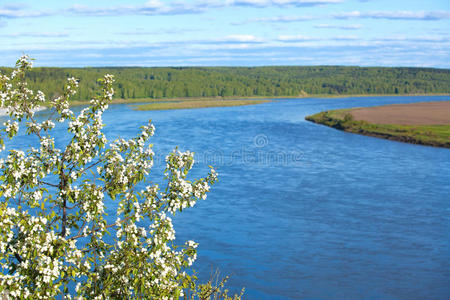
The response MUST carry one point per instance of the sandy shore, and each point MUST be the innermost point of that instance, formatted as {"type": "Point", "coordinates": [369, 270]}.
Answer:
{"type": "Point", "coordinates": [423, 113]}
{"type": "Point", "coordinates": [417, 123]}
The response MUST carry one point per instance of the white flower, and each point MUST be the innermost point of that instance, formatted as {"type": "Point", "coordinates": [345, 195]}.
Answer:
{"type": "Point", "coordinates": [43, 214]}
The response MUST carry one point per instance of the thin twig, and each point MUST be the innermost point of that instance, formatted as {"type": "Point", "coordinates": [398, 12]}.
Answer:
{"type": "Point", "coordinates": [96, 230]}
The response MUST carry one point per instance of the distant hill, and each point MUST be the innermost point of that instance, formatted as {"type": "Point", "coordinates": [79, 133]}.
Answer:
{"type": "Point", "coordinates": [173, 82]}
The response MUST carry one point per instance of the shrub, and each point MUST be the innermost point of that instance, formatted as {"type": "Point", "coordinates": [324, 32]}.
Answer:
{"type": "Point", "coordinates": [55, 238]}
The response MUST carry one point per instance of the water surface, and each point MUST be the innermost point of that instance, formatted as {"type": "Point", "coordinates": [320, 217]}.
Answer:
{"type": "Point", "coordinates": [303, 211]}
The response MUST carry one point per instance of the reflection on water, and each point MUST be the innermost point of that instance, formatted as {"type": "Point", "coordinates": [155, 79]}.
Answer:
{"type": "Point", "coordinates": [303, 211]}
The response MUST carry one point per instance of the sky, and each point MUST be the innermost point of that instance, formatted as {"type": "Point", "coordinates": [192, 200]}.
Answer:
{"type": "Point", "coordinates": [226, 33]}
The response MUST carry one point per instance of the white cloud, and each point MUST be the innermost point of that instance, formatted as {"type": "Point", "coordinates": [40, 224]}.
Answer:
{"type": "Point", "coordinates": [280, 19]}
{"type": "Point", "coordinates": [296, 38]}
{"type": "Point", "coordinates": [153, 7]}
{"type": "Point", "coordinates": [259, 3]}
{"type": "Point", "coordinates": [344, 27]}
{"type": "Point", "coordinates": [346, 38]}
{"type": "Point", "coordinates": [241, 38]}
{"type": "Point", "coordinates": [37, 34]}
{"type": "Point", "coordinates": [305, 2]}
{"type": "Point", "coordinates": [18, 12]}
{"type": "Point", "coordinates": [159, 31]}
{"type": "Point", "coordinates": [244, 49]}
{"type": "Point", "coordinates": [420, 39]}
{"type": "Point", "coordinates": [266, 3]}
{"type": "Point", "coordinates": [396, 15]}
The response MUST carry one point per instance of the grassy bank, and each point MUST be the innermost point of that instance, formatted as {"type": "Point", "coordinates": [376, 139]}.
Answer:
{"type": "Point", "coordinates": [189, 104]}
{"type": "Point", "coordinates": [431, 135]}
{"type": "Point", "coordinates": [153, 100]}
{"type": "Point", "coordinates": [370, 95]}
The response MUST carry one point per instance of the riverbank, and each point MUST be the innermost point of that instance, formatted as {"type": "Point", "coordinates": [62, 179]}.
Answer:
{"type": "Point", "coordinates": [416, 123]}
{"type": "Point", "coordinates": [371, 95]}
{"type": "Point", "coordinates": [234, 98]}
{"type": "Point", "coordinates": [190, 104]}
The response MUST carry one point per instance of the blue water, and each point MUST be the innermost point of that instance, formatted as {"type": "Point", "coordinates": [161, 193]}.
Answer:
{"type": "Point", "coordinates": [303, 211]}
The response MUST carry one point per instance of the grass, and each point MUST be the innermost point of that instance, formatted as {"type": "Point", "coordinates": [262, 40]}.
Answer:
{"type": "Point", "coordinates": [431, 135]}
{"type": "Point", "coordinates": [234, 98]}
{"type": "Point", "coordinates": [184, 99]}
{"type": "Point", "coordinates": [189, 104]}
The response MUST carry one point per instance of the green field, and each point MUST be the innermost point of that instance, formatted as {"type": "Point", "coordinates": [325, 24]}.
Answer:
{"type": "Point", "coordinates": [431, 135]}
{"type": "Point", "coordinates": [188, 104]}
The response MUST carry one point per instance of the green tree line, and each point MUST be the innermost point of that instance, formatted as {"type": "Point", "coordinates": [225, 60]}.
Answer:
{"type": "Point", "coordinates": [173, 82]}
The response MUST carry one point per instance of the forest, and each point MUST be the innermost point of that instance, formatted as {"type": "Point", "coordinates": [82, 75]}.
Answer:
{"type": "Point", "coordinates": [290, 81]}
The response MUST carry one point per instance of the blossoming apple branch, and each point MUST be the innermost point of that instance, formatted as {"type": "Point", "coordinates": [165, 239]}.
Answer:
{"type": "Point", "coordinates": [54, 233]}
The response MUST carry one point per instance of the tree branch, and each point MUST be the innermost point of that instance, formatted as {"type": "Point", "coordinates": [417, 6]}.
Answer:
{"type": "Point", "coordinates": [49, 184]}
{"type": "Point", "coordinates": [96, 230]}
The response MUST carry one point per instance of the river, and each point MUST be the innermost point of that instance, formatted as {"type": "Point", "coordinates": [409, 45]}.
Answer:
{"type": "Point", "coordinates": [303, 211]}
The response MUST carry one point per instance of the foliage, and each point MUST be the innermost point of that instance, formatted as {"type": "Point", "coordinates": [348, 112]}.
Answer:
{"type": "Point", "coordinates": [297, 81]}
{"type": "Point", "coordinates": [54, 234]}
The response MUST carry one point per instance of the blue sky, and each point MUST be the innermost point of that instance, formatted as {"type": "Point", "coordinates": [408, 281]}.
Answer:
{"type": "Point", "coordinates": [227, 33]}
